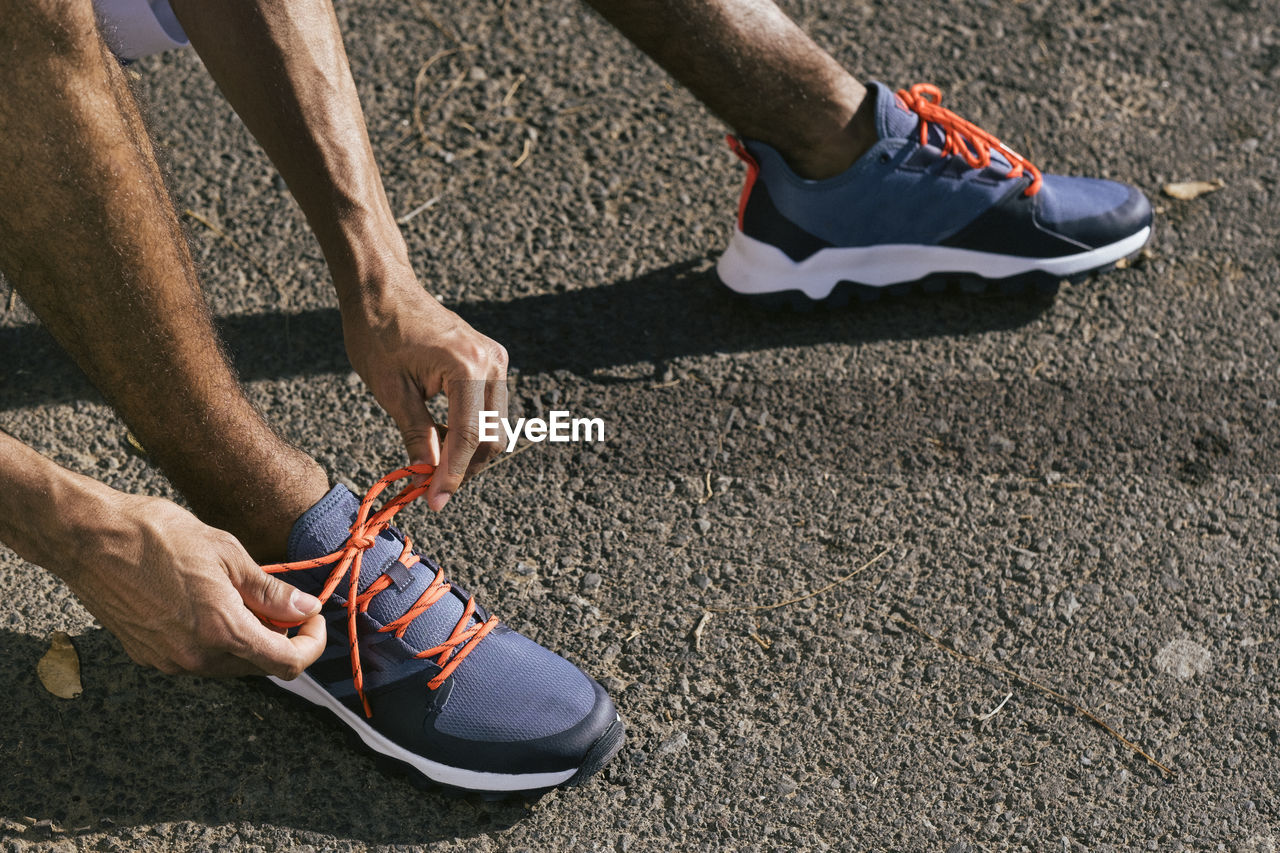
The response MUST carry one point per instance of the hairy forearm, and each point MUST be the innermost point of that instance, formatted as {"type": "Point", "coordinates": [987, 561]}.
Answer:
{"type": "Point", "coordinates": [284, 70]}
{"type": "Point", "coordinates": [44, 508]}
{"type": "Point", "coordinates": [180, 596]}
{"type": "Point", "coordinates": [282, 65]}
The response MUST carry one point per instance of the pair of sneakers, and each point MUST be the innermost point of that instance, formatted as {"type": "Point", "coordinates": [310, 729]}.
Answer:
{"type": "Point", "coordinates": [424, 676]}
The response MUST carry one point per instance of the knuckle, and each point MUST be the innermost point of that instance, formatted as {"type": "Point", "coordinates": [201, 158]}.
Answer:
{"type": "Point", "coordinates": [468, 434]}
{"type": "Point", "coordinates": [213, 632]}
{"type": "Point", "coordinates": [290, 671]}
{"type": "Point", "coordinates": [417, 434]}
{"type": "Point", "coordinates": [228, 541]}
{"type": "Point", "coordinates": [227, 547]}
{"type": "Point", "coordinates": [191, 660]}
{"type": "Point", "coordinates": [480, 355]}
{"type": "Point", "coordinates": [474, 357]}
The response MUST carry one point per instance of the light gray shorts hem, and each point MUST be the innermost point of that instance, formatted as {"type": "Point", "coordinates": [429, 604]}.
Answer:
{"type": "Point", "coordinates": [137, 28]}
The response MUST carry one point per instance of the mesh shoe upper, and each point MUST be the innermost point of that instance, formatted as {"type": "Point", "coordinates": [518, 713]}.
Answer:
{"type": "Point", "coordinates": [903, 192]}
{"type": "Point", "coordinates": [508, 689]}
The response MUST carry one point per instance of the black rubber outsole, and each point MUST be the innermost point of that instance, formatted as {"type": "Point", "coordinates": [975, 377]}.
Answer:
{"type": "Point", "coordinates": [600, 754]}
{"type": "Point", "coordinates": [851, 292]}
{"type": "Point", "coordinates": [602, 751]}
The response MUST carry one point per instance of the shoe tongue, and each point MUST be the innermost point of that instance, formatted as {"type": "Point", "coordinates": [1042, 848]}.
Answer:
{"type": "Point", "coordinates": [326, 526]}
{"type": "Point", "coordinates": [323, 528]}
{"type": "Point", "coordinates": [893, 119]}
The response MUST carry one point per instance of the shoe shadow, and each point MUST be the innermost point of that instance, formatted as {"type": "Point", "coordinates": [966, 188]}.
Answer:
{"type": "Point", "coordinates": [664, 314]}
{"type": "Point", "coordinates": [138, 748]}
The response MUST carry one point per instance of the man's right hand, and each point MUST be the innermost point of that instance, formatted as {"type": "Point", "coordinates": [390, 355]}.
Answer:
{"type": "Point", "coordinates": [408, 347]}
{"type": "Point", "coordinates": [184, 597]}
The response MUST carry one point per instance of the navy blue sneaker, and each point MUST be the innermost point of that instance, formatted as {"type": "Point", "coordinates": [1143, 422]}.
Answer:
{"type": "Point", "coordinates": [937, 199]}
{"type": "Point", "coordinates": [425, 676]}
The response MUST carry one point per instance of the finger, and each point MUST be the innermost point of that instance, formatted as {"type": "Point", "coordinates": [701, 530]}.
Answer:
{"type": "Point", "coordinates": [222, 666]}
{"type": "Point", "coordinates": [466, 397]}
{"type": "Point", "coordinates": [495, 400]}
{"type": "Point", "coordinates": [267, 596]}
{"type": "Point", "coordinates": [266, 652]}
{"type": "Point", "coordinates": [495, 392]}
{"type": "Point", "coordinates": [417, 428]}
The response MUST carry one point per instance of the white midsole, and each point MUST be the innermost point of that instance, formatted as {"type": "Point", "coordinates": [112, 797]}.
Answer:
{"type": "Point", "coordinates": [751, 266]}
{"type": "Point", "coordinates": [306, 687]}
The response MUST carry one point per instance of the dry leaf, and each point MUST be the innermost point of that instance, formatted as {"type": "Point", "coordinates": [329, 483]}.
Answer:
{"type": "Point", "coordinates": [1192, 189]}
{"type": "Point", "coordinates": [134, 443]}
{"type": "Point", "coordinates": [59, 669]}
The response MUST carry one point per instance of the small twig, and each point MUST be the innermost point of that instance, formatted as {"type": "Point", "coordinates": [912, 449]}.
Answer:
{"type": "Point", "coordinates": [506, 25]}
{"type": "Point", "coordinates": [435, 22]}
{"type": "Point", "coordinates": [697, 630]}
{"type": "Point", "coordinates": [261, 267]}
{"type": "Point", "coordinates": [816, 592]}
{"type": "Point", "coordinates": [418, 113]}
{"type": "Point", "coordinates": [709, 493]}
{"type": "Point", "coordinates": [573, 111]}
{"type": "Point", "coordinates": [1032, 683]}
{"type": "Point", "coordinates": [524, 154]}
{"type": "Point", "coordinates": [419, 82]}
{"type": "Point", "coordinates": [996, 709]}
{"type": "Point", "coordinates": [436, 57]}
{"type": "Point", "coordinates": [426, 205]}
{"type": "Point", "coordinates": [504, 457]}
{"type": "Point", "coordinates": [764, 644]}
{"type": "Point", "coordinates": [728, 424]}
{"type": "Point", "coordinates": [636, 633]}
{"type": "Point", "coordinates": [511, 93]}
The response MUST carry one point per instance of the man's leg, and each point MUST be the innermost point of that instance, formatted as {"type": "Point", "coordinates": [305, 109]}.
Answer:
{"type": "Point", "coordinates": [891, 226]}
{"type": "Point", "coordinates": [89, 238]}
{"type": "Point", "coordinates": [755, 69]}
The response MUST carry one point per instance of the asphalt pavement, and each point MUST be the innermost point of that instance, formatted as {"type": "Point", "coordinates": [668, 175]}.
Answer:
{"type": "Point", "coordinates": [946, 573]}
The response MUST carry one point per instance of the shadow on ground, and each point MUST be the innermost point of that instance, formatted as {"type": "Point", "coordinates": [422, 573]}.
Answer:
{"type": "Point", "coordinates": [139, 748]}
{"type": "Point", "coordinates": [664, 314]}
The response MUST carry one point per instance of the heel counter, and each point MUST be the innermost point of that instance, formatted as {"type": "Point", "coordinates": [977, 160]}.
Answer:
{"type": "Point", "coordinates": [760, 219]}
{"type": "Point", "coordinates": [753, 171]}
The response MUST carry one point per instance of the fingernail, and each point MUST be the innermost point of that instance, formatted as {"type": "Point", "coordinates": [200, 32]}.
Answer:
{"type": "Point", "coordinates": [303, 603]}
{"type": "Point", "coordinates": [438, 501]}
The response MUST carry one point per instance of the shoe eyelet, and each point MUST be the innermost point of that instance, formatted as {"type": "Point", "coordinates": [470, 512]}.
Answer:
{"type": "Point", "coordinates": [885, 158]}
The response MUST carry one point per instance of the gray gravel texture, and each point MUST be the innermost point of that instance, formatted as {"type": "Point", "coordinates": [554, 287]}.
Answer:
{"type": "Point", "coordinates": [1080, 490]}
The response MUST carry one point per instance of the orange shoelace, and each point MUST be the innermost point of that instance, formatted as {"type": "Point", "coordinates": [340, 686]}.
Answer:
{"type": "Point", "coordinates": [963, 137]}
{"type": "Point", "coordinates": [364, 532]}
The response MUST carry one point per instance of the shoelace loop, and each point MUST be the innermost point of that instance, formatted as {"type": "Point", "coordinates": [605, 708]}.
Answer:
{"type": "Point", "coordinates": [962, 137]}
{"type": "Point", "coordinates": [347, 562]}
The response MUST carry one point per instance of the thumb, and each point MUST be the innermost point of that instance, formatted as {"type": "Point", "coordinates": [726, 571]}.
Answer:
{"type": "Point", "coordinates": [270, 598]}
